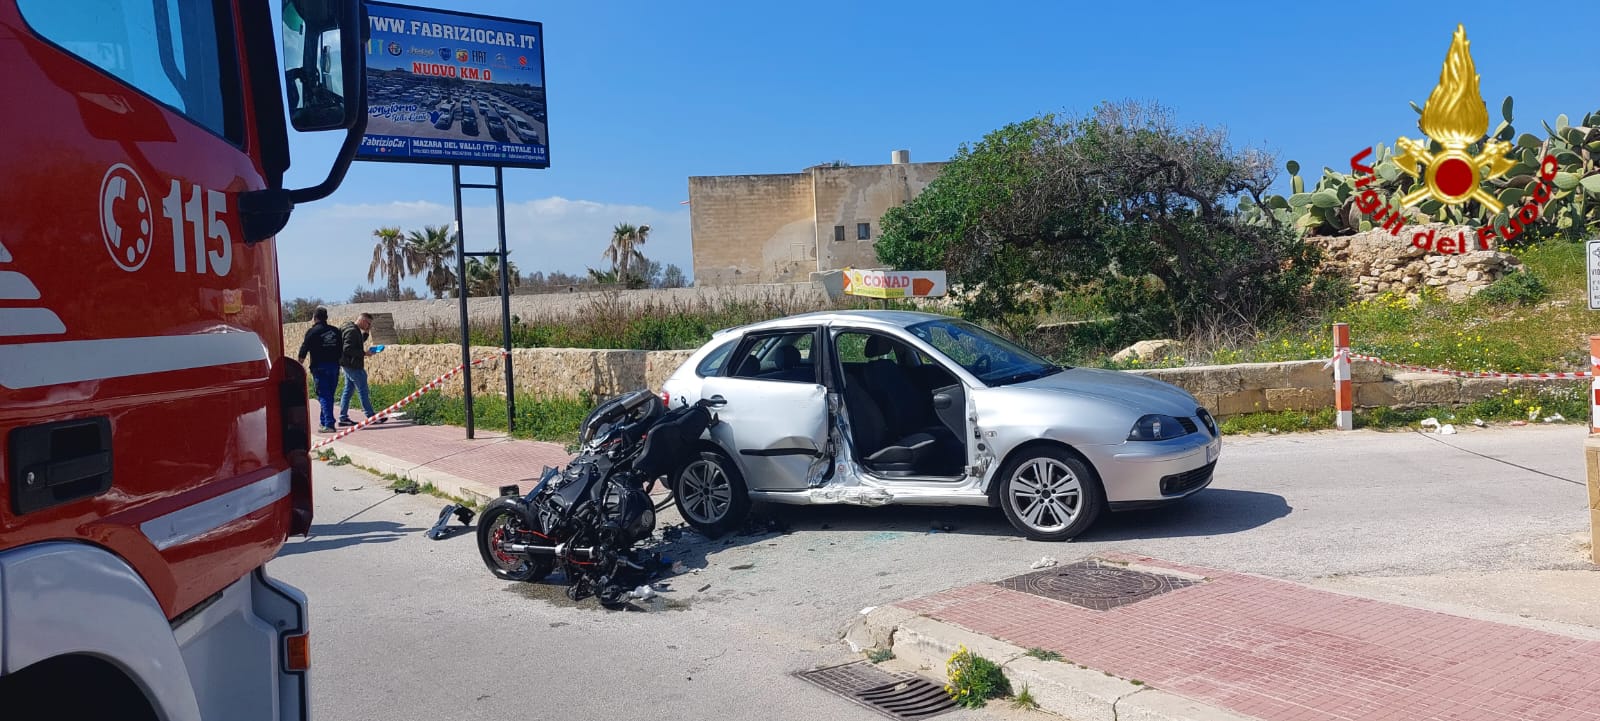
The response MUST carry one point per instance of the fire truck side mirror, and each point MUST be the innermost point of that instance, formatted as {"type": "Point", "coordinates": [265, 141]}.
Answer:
{"type": "Point", "coordinates": [323, 63]}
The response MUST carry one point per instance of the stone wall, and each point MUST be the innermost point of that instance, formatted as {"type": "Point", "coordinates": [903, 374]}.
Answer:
{"type": "Point", "coordinates": [1376, 262]}
{"type": "Point", "coordinates": [752, 228]}
{"type": "Point", "coordinates": [1226, 390]}
{"type": "Point", "coordinates": [383, 330]}
{"type": "Point", "coordinates": [544, 372]}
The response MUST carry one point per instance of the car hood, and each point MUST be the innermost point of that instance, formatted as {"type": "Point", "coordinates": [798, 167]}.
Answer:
{"type": "Point", "coordinates": [1135, 392]}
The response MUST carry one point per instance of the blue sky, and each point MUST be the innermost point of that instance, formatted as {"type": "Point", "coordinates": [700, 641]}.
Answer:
{"type": "Point", "coordinates": [643, 95]}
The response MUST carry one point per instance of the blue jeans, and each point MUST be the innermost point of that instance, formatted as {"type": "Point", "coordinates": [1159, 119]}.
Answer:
{"type": "Point", "coordinates": [326, 376]}
{"type": "Point", "coordinates": [355, 381]}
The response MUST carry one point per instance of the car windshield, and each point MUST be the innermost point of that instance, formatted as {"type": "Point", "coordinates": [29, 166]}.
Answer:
{"type": "Point", "coordinates": [994, 360]}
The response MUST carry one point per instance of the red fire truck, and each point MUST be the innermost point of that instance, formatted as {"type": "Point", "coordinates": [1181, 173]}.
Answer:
{"type": "Point", "coordinates": [153, 433]}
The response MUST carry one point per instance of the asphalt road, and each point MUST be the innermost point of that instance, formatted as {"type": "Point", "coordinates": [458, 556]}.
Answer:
{"type": "Point", "coordinates": [408, 628]}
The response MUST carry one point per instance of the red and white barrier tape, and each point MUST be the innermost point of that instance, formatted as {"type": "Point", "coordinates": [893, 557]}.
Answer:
{"type": "Point", "coordinates": [403, 402]}
{"type": "Point", "coordinates": [1347, 355]}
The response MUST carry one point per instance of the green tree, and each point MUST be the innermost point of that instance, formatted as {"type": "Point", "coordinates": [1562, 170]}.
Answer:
{"type": "Point", "coordinates": [673, 277]}
{"type": "Point", "coordinates": [623, 251]}
{"type": "Point", "coordinates": [483, 276]}
{"type": "Point", "coordinates": [392, 259]}
{"type": "Point", "coordinates": [1123, 202]}
{"type": "Point", "coordinates": [300, 309]}
{"type": "Point", "coordinates": [434, 250]}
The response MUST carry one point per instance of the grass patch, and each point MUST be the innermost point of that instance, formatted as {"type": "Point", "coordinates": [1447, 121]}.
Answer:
{"type": "Point", "coordinates": [1567, 399]}
{"type": "Point", "coordinates": [879, 655]}
{"type": "Point", "coordinates": [1506, 327]}
{"type": "Point", "coordinates": [614, 319]}
{"type": "Point", "coordinates": [1531, 403]}
{"type": "Point", "coordinates": [1279, 421]}
{"type": "Point", "coordinates": [1043, 654]}
{"type": "Point", "coordinates": [543, 419]}
{"type": "Point", "coordinates": [1024, 699]}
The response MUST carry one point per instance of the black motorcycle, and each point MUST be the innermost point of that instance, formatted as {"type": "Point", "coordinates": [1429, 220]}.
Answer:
{"type": "Point", "coordinates": [586, 518]}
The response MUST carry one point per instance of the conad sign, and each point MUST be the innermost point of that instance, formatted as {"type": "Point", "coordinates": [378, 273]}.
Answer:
{"type": "Point", "coordinates": [894, 283]}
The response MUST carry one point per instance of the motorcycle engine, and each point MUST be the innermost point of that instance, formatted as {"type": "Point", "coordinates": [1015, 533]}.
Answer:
{"type": "Point", "coordinates": [635, 518]}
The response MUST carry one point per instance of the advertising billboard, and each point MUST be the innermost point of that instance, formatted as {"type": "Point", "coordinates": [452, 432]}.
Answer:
{"type": "Point", "coordinates": [454, 88]}
{"type": "Point", "coordinates": [894, 283]}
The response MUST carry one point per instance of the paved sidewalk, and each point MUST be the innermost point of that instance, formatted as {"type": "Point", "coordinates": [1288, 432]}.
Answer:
{"type": "Point", "coordinates": [443, 456]}
{"type": "Point", "coordinates": [1257, 647]}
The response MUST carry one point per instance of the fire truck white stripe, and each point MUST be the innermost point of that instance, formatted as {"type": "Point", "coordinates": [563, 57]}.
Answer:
{"type": "Point", "coordinates": [31, 365]}
{"type": "Point", "coordinates": [188, 523]}
{"type": "Point", "coordinates": [28, 321]}
{"type": "Point", "coordinates": [16, 286]}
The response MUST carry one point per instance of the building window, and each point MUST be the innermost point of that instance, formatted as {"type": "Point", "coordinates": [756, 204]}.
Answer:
{"type": "Point", "coordinates": [863, 231]}
{"type": "Point", "coordinates": [838, 233]}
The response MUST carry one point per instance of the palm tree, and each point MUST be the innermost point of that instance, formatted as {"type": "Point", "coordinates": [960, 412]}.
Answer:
{"type": "Point", "coordinates": [391, 259]}
{"type": "Point", "coordinates": [434, 250]}
{"type": "Point", "coordinates": [478, 280]}
{"type": "Point", "coordinates": [483, 276]}
{"type": "Point", "coordinates": [624, 248]}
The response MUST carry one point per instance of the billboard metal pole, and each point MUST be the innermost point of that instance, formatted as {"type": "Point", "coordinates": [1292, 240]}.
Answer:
{"type": "Point", "coordinates": [461, 296]}
{"type": "Point", "coordinates": [505, 297]}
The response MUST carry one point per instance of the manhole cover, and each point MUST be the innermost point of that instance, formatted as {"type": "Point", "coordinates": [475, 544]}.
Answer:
{"type": "Point", "coordinates": [896, 695]}
{"type": "Point", "coordinates": [1093, 584]}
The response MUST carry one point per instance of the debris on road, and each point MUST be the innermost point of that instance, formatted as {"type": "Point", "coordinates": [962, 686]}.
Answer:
{"type": "Point", "coordinates": [742, 567]}
{"type": "Point", "coordinates": [702, 589]}
{"type": "Point", "coordinates": [1045, 562]}
{"type": "Point", "coordinates": [1554, 418]}
{"type": "Point", "coordinates": [1478, 422]}
{"type": "Point", "coordinates": [642, 593]}
{"type": "Point", "coordinates": [1433, 423]}
{"type": "Point", "coordinates": [441, 529]}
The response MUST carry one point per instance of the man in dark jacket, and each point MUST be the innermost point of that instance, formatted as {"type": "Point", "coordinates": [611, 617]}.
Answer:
{"type": "Point", "coordinates": [352, 360]}
{"type": "Point", "coordinates": [322, 344]}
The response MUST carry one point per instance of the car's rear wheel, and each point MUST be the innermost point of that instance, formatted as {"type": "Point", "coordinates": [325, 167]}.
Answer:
{"type": "Point", "coordinates": [711, 494]}
{"type": "Point", "coordinates": [1049, 494]}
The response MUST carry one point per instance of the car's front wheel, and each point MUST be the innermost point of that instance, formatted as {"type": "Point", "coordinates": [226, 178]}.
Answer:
{"type": "Point", "coordinates": [1050, 494]}
{"type": "Point", "coordinates": [711, 494]}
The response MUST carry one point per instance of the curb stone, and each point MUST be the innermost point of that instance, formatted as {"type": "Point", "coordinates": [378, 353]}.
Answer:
{"type": "Point", "coordinates": [1060, 688]}
{"type": "Point", "coordinates": [448, 483]}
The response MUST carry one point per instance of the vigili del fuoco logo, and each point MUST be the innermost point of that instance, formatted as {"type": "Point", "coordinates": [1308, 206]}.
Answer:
{"type": "Point", "coordinates": [1442, 166]}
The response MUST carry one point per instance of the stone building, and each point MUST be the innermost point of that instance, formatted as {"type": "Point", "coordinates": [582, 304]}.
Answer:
{"type": "Point", "coordinates": [781, 228]}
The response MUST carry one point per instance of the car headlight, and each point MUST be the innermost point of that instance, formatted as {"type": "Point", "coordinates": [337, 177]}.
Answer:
{"type": "Point", "coordinates": [1156, 427]}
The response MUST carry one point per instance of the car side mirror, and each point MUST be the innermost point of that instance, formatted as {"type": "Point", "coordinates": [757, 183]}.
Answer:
{"type": "Point", "coordinates": [942, 401]}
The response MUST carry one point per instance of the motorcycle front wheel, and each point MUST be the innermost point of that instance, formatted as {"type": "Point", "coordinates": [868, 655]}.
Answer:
{"type": "Point", "coordinates": [507, 520]}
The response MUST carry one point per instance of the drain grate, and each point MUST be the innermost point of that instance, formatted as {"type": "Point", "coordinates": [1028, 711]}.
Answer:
{"type": "Point", "coordinates": [896, 695]}
{"type": "Point", "coordinates": [1094, 584]}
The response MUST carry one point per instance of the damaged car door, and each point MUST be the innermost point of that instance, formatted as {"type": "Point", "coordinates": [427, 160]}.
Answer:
{"type": "Point", "coordinates": [773, 409]}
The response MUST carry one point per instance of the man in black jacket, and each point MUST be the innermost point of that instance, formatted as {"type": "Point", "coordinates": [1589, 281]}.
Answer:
{"type": "Point", "coordinates": [322, 344]}
{"type": "Point", "coordinates": [352, 357]}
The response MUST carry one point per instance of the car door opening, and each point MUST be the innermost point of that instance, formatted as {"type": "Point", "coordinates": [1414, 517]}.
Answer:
{"type": "Point", "coordinates": [888, 394]}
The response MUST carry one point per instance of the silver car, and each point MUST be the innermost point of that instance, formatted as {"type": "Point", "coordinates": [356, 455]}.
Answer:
{"type": "Point", "coordinates": [880, 407]}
